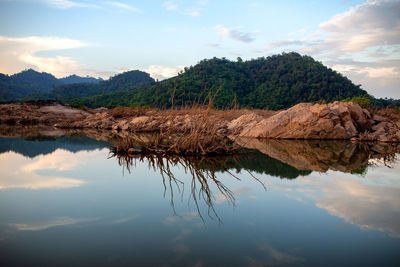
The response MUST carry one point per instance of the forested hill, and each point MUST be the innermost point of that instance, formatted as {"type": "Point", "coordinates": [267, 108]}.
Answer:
{"type": "Point", "coordinates": [274, 82]}
{"type": "Point", "coordinates": [121, 82]}
{"type": "Point", "coordinates": [29, 82]}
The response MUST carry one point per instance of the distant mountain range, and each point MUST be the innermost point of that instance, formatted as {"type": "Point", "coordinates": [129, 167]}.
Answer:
{"type": "Point", "coordinates": [274, 82]}
{"type": "Point", "coordinates": [28, 82]}
{"type": "Point", "coordinates": [126, 81]}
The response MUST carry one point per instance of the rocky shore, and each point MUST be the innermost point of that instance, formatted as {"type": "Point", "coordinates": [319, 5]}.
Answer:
{"type": "Point", "coordinates": [303, 155]}
{"type": "Point", "coordinates": [335, 121]}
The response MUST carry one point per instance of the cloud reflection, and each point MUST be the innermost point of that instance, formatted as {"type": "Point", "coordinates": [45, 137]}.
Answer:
{"type": "Point", "coordinates": [371, 202]}
{"type": "Point", "coordinates": [18, 171]}
{"type": "Point", "coordinates": [60, 221]}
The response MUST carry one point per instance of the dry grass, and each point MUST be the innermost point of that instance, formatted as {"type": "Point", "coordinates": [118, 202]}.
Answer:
{"type": "Point", "coordinates": [122, 112]}
{"type": "Point", "coordinates": [226, 114]}
{"type": "Point", "coordinates": [201, 136]}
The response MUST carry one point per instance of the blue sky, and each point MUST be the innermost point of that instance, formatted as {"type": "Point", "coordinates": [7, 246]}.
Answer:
{"type": "Point", "coordinates": [101, 38]}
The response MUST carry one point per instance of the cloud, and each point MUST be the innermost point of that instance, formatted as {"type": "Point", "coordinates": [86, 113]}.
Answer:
{"type": "Point", "coordinates": [215, 45]}
{"type": "Point", "coordinates": [234, 34]}
{"type": "Point", "coordinates": [381, 77]}
{"type": "Point", "coordinates": [368, 32]}
{"type": "Point", "coordinates": [162, 72]}
{"type": "Point", "coordinates": [372, 24]}
{"type": "Point", "coordinates": [183, 8]}
{"type": "Point", "coordinates": [20, 53]}
{"type": "Point", "coordinates": [21, 172]}
{"type": "Point", "coordinates": [289, 43]}
{"type": "Point", "coordinates": [65, 4]}
{"type": "Point", "coordinates": [125, 6]}
{"type": "Point", "coordinates": [237, 192]}
{"type": "Point", "coordinates": [169, 5]}
{"type": "Point", "coordinates": [60, 4]}
{"type": "Point", "coordinates": [60, 221]}
{"type": "Point", "coordinates": [369, 207]}
{"type": "Point", "coordinates": [271, 256]}
{"type": "Point", "coordinates": [371, 202]}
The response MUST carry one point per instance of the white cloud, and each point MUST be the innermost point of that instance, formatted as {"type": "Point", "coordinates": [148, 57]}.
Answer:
{"type": "Point", "coordinates": [290, 43]}
{"type": "Point", "coordinates": [65, 4]}
{"type": "Point", "coordinates": [271, 256]}
{"type": "Point", "coordinates": [60, 4]}
{"type": "Point", "coordinates": [169, 5]}
{"type": "Point", "coordinates": [370, 33]}
{"type": "Point", "coordinates": [125, 6]}
{"type": "Point", "coordinates": [194, 9]}
{"type": "Point", "coordinates": [234, 34]}
{"type": "Point", "coordinates": [21, 172]}
{"type": "Point", "coordinates": [371, 202]}
{"type": "Point", "coordinates": [20, 53]}
{"type": "Point", "coordinates": [60, 221]}
{"type": "Point", "coordinates": [215, 45]}
{"type": "Point", "coordinates": [162, 72]}
{"type": "Point", "coordinates": [371, 72]}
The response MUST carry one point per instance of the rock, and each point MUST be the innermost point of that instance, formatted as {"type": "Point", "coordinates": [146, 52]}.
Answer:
{"type": "Point", "coordinates": [350, 128]}
{"type": "Point", "coordinates": [321, 110]}
{"type": "Point", "coordinates": [125, 127]}
{"type": "Point", "coordinates": [379, 118]}
{"type": "Point", "coordinates": [367, 113]}
{"type": "Point", "coordinates": [140, 120]}
{"type": "Point", "coordinates": [244, 120]}
{"type": "Point", "coordinates": [306, 121]}
{"type": "Point", "coordinates": [313, 155]}
{"type": "Point", "coordinates": [379, 127]}
{"type": "Point", "coordinates": [383, 138]}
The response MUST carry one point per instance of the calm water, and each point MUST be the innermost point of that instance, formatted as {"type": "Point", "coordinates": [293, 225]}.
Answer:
{"type": "Point", "coordinates": [64, 202]}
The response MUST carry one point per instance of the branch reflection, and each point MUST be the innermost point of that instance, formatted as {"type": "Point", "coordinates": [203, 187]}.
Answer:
{"type": "Point", "coordinates": [202, 171]}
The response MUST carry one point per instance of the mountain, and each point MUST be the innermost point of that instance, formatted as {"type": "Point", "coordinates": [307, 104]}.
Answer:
{"type": "Point", "coordinates": [34, 81]}
{"type": "Point", "coordinates": [275, 82]}
{"type": "Point", "coordinates": [77, 79]}
{"type": "Point", "coordinates": [28, 82]}
{"type": "Point", "coordinates": [126, 81]}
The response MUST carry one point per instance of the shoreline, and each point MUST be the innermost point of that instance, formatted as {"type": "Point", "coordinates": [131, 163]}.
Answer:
{"type": "Point", "coordinates": [335, 121]}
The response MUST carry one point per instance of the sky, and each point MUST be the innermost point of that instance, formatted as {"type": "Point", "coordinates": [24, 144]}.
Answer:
{"type": "Point", "coordinates": [360, 39]}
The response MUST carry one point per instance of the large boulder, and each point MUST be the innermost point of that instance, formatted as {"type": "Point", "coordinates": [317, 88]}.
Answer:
{"type": "Point", "coordinates": [248, 120]}
{"type": "Point", "coordinates": [307, 121]}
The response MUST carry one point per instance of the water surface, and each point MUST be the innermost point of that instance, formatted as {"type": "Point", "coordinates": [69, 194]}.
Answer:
{"type": "Point", "coordinates": [65, 202]}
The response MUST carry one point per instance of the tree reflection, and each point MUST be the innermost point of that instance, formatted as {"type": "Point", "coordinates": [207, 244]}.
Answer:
{"type": "Point", "coordinates": [202, 171]}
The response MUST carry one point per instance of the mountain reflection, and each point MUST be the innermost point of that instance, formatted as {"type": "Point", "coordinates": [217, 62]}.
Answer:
{"type": "Point", "coordinates": [33, 141]}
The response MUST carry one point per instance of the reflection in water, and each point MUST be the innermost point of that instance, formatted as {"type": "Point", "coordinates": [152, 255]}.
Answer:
{"type": "Point", "coordinates": [61, 221]}
{"type": "Point", "coordinates": [202, 170]}
{"type": "Point", "coordinates": [47, 141]}
{"type": "Point", "coordinates": [322, 156]}
{"type": "Point", "coordinates": [18, 171]}
{"type": "Point", "coordinates": [371, 203]}
{"type": "Point", "coordinates": [76, 202]}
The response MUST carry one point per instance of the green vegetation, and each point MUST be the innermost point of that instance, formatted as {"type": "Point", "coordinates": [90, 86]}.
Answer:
{"type": "Point", "coordinates": [275, 82]}
{"type": "Point", "coordinates": [363, 101]}
{"type": "Point", "coordinates": [30, 82]}
{"type": "Point", "coordinates": [121, 82]}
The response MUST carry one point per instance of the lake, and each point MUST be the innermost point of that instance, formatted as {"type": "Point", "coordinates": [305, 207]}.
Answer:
{"type": "Point", "coordinates": [64, 201]}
